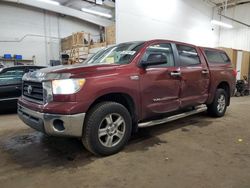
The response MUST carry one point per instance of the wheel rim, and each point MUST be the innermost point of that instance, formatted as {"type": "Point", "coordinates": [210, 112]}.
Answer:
{"type": "Point", "coordinates": [221, 103]}
{"type": "Point", "coordinates": [111, 130]}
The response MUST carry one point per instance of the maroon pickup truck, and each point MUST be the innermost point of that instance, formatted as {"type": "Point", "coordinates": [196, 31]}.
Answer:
{"type": "Point", "coordinates": [126, 87]}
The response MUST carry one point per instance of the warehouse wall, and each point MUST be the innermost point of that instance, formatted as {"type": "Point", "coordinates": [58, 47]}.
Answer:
{"type": "Point", "coordinates": [187, 21]}
{"type": "Point", "coordinates": [19, 21]}
{"type": "Point", "coordinates": [239, 36]}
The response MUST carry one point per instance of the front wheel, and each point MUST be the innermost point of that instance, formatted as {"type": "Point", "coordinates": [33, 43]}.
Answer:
{"type": "Point", "coordinates": [107, 128]}
{"type": "Point", "coordinates": [219, 104]}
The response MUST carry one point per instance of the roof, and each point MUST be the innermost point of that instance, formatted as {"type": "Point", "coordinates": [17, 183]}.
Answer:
{"type": "Point", "coordinates": [21, 66]}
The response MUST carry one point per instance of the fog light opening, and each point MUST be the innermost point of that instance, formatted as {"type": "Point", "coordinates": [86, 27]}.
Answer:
{"type": "Point", "coordinates": [58, 125]}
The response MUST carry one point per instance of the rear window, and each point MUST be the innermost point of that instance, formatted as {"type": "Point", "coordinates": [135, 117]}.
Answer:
{"type": "Point", "coordinates": [217, 57]}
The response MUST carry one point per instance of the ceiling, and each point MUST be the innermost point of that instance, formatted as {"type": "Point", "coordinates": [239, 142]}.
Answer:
{"type": "Point", "coordinates": [98, 12]}
{"type": "Point", "coordinates": [104, 6]}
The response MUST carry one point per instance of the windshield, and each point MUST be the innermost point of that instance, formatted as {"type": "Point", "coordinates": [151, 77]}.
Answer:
{"type": "Point", "coordinates": [119, 54]}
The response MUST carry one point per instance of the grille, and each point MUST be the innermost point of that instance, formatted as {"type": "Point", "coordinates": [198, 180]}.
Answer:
{"type": "Point", "coordinates": [33, 91]}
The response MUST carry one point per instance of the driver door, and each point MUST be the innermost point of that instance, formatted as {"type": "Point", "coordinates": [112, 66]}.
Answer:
{"type": "Point", "coordinates": [160, 84]}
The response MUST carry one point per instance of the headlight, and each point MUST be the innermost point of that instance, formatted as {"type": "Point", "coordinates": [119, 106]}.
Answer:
{"type": "Point", "coordinates": [67, 86]}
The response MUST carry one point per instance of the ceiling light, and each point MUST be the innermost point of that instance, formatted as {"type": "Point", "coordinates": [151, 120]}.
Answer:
{"type": "Point", "coordinates": [99, 2]}
{"type": "Point", "coordinates": [222, 24]}
{"type": "Point", "coordinates": [50, 2]}
{"type": "Point", "coordinates": [96, 13]}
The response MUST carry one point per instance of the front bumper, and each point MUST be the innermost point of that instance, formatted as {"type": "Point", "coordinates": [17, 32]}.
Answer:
{"type": "Point", "coordinates": [52, 124]}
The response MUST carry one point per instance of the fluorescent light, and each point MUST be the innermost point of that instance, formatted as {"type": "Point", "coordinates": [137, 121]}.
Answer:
{"type": "Point", "coordinates": [50, 2]}
{"type": "Point", "coordinates": [99, 2]}
{"type": "Point", "coordinates": [222, 24]}
{"type": "Point", "coordinates": [96, 13]}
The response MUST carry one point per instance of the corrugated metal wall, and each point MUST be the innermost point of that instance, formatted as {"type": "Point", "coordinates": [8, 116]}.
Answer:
{"type": "Point", "coordinates": [239, 36]}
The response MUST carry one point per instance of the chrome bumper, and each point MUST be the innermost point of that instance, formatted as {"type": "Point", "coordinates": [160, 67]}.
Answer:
{"type": "Point", "coordinates": [53, 124]}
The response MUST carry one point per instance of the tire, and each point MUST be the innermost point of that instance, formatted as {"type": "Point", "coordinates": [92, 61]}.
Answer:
{"type": "Point", "coordinates": [237, 94]}
{"type": "Point", "coordinates": [246, 93]}
{"type": "Point", "coordinates": [107, 128]}
{"type": "Point", "coordinates": [219, 104]}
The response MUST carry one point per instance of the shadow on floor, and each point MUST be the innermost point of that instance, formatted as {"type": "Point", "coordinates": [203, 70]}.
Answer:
{"type": "Point", "coordinates": [34, 149]}
{"type": "Point", "coordinates": [8, 111]}
{"type": "Point", "coordinates": [148, 137]}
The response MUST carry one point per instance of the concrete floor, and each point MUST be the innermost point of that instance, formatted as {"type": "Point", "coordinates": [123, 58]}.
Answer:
{"type": "Point", "coordinates": [197, 151]}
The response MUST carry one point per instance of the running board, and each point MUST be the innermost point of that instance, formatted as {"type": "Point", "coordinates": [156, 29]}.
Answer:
{"type": "Point", "coordinates": [197, 110]}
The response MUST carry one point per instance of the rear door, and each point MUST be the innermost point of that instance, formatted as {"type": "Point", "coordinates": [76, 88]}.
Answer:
{"type": "Point", "coordinates": [194, 76]}
{"type": "Point", "coordinates": [160, 84]}
{"type": "Point", "coordinates": [11, 84]}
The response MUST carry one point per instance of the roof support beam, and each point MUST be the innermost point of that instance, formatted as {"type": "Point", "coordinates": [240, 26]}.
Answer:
{"type": "Point", "coordinates": [237, 21]}
{"type": "Point", "coordinates": [65, 11]}
{"type": "Point", "coordinates": [232, 3]}
{"type": "Point", "coordinates": [229, 2]}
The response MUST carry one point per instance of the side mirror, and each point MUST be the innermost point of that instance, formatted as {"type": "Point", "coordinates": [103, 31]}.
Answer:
{"type": "Point", "coordinates": [154, 59]}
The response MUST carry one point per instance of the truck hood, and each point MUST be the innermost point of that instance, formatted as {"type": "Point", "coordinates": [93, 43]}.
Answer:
{"type": "Point", "coordinates": [79, 68]}
{"type": "Point", "coordinates": [63, 72]}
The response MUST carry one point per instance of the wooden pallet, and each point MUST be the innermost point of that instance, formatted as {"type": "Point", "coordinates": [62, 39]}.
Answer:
{"type": "Point", "coordinates": [98, 45]}
{"type": "Point", "coordinates": [78, 54]}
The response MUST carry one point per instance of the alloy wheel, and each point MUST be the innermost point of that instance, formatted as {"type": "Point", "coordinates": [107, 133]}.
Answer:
{"type": "Point", "coordinates": [221, 103]}
{"type": "Point", "coordinates": [111, 130]}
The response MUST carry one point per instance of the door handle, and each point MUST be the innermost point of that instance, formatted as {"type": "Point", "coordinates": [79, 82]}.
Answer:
{"type": "Point", "coordinates": [205, 72]}
{"type": "Point", "coordinates": [175, 73]}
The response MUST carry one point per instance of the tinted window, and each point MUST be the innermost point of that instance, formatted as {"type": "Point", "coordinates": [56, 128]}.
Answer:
{"type": "Point", "coordinates": [216, 57]}
{"type": "Point", "coordinates": [188, 55]}
{"type": "Point", "coordinates": [165, 50]}
{"type": "Point", "coordinates": [11, 77]}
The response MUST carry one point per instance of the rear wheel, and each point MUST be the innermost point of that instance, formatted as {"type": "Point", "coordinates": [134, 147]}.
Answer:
{"type": "Point", "coordinates": [219, 104]}
{"type": "Point", "coordinates": [237, 94]}
{"type": "Point", "coordinates": [107, 128]}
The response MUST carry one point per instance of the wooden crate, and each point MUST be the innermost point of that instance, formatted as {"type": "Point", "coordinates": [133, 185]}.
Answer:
{"type": "Point", "coordinates": [78, 39]}
{"type": "Point", "coordinates": [98, 45]}
{"type": "Point", "coordinates": [66, 43]}
{"type": "Point", "coordinates": [78, 54]}
{"type": "Point", "coordinates": [74, 40]}
{"type": "Point", "coordinates": [75, 47]}
{"type": "Point", "coordinates": [110, 35]}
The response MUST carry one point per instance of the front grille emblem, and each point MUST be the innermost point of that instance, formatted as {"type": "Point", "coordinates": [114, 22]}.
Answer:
{"type": "Point", "coordinates": [29, 89]}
